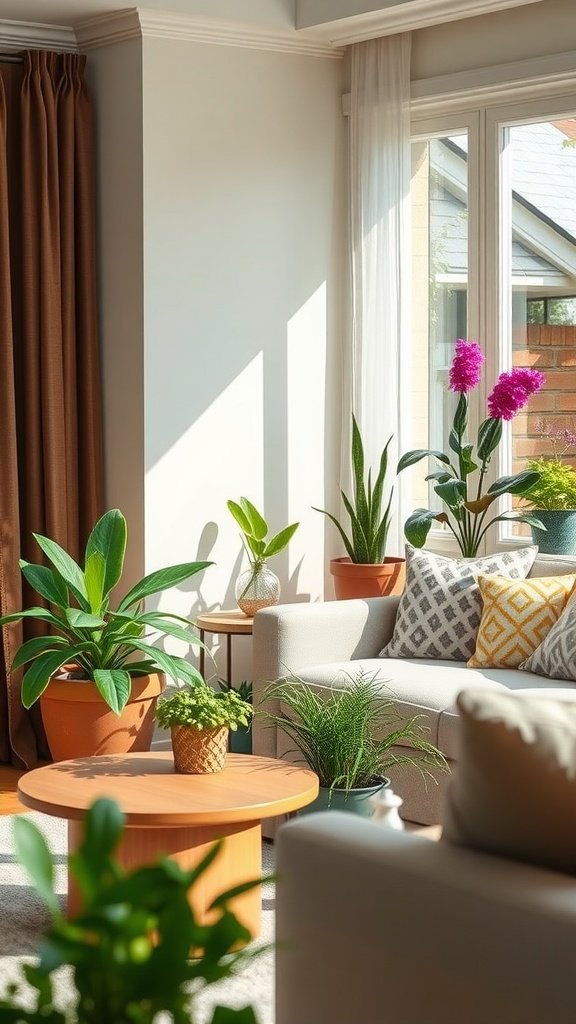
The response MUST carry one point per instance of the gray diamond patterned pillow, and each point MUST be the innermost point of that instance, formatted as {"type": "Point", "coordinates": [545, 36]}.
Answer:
{"type": "Point", "coordinates": [440, 609]}
{"type": "Point", "coordinates": [556, 655]}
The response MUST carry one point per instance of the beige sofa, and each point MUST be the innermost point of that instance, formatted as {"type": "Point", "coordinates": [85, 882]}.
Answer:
{"type": "Point", "coordinates": [375, 925]}
{"type": "Point", "coordinates": [327, 643]}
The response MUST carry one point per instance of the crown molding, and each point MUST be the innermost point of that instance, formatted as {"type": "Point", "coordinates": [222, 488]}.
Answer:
{"type": "Point", "coordinates": [406, 17]}
{"type": "Point", "coordinates": [105, 29]}
{"type": "Point", "coordinates": [504, 83]}
{"type": "Point", "coordinates": [143, 23]}
{"type": "Point", "coordinates": [28, 35]}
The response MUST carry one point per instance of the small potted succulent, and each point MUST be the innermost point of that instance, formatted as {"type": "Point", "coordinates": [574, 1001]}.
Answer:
{"type": "Point", "coordinates": [241, 738]}
{"type": "Point", "coordinates": [366, 570]}
{"type": "Point", "coordinates": [97, 674]}
{"type": "Point", "coordinates": [553, 496]}
{"type": "Point", "coordinates": [258, 587]}
{"type": "Point", "coordinates": [347, 739]}
{"type": "Point", "coordinates": [200, 720]}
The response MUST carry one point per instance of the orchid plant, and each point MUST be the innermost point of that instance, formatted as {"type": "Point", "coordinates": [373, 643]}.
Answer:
{"type": "Point", "coordinates": [467, 503]}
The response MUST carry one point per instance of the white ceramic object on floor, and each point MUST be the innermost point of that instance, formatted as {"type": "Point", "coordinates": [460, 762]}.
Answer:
{"type": "Point", "coordinates": [386, 805]}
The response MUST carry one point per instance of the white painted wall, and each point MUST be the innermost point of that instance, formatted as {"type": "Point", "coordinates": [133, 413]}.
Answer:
{"type": "Point", "coordinates": [244, 220]}
{"type": "Point", "coordinates": [539, 29]}
{"type": "Point", "coordinates": [115, 77]}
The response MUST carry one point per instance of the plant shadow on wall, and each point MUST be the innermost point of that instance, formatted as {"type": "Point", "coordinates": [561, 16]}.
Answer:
{"type": "Point", "coordinates": [129, 946]}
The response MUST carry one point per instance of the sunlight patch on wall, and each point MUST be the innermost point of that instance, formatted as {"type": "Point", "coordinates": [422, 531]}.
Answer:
{"type": "Point", "coordinates": [306, 361]}
{"type": "Point", "coordinates": [219, 457]}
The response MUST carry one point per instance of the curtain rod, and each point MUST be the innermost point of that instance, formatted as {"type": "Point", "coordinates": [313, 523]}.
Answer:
{"type": "Point", "coordinates": [10, 58]}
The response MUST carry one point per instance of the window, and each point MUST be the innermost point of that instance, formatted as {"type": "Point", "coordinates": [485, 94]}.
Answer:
{"type": "Point", "coordinates": [494, 259]}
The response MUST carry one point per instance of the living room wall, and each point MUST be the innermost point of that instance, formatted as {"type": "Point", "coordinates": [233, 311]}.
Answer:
{"type": "Point", "coordinates": [244, 219]}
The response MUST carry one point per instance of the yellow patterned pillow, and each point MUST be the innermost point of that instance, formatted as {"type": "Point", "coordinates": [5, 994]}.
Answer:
{"type": "Point", "coordinates": [516, 616]}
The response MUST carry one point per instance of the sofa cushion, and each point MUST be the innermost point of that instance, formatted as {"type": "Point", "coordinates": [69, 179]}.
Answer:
{"type": "Point", "coordinates": [515, 782]}
{"type": "Point", "coordinates": [556, 655]}
{"type": "Point", "coordinates": [419, 687]}
{"type": "Point", "coordinates": [439, 612]}
{"type": "Point", "coordinates": [516, 617]}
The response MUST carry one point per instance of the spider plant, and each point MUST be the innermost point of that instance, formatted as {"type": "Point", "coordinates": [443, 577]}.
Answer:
{"type": "Point", "coordinates": [348, 737]}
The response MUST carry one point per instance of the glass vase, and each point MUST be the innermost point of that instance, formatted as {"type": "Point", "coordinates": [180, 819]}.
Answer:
{"type": "Point", "coordinates": [257, 587]}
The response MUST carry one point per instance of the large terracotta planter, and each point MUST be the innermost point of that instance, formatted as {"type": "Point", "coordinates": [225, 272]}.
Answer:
{"type": "Point", "coordinates": [79, 723]}
{"type": "Point", "coordinates": [352, 579]}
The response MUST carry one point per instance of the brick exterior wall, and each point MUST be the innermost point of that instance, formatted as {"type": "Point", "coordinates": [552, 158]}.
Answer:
{"type": "Point", "coordinates": [551, 349]}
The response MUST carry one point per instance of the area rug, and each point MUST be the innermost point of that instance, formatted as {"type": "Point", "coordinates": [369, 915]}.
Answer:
{"type": "Point", "coordinates": [23, 918]}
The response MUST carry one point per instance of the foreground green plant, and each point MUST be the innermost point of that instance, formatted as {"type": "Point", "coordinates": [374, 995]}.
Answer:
{"type": "Point", "coordinates": [200, 707]}
{"type": "Point", "coordinates": [129, 947]}
{"type": "Point", "coordinates": [369, 526]}
{"type": "Point", "coordinates": [108, 647]}
{"type": "Point", "coordinates": [346, 737]}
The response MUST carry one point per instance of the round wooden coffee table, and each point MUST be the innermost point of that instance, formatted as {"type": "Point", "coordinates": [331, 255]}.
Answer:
{"type": "Point", "coordinates": [178, 815]}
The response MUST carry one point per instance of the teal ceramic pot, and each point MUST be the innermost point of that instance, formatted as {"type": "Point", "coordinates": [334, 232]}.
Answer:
{"type": "Point", "coordinates": [559, 538]}
{"type": "Point", "coordinates": [356, 801]}
{"type": "Point", "coordinates": [240, 741]}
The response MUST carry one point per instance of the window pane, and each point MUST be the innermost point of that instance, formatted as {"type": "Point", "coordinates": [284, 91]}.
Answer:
{"type": "Point", "coordinates": [540, 164]}
{"type": "Point", "coordinates": [439, 199]}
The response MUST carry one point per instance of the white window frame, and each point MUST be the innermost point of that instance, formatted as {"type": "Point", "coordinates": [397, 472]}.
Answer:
{"type": "Point", "coordinates": [543, 91]}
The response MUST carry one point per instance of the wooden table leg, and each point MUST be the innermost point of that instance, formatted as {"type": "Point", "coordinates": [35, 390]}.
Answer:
{"type": "Point", "coordinates": [202, 652]}
{"type": "Point", "coordinates": [239, 860]}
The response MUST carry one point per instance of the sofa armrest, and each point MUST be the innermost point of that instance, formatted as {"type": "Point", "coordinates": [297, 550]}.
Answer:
{"type": "Point", "coordinates": [380, 925]}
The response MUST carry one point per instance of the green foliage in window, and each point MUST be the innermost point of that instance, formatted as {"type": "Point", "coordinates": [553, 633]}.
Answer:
{"type": "Point", "coordinates": [555, 489]}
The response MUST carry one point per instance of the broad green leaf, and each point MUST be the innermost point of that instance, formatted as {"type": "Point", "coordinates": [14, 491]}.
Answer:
{"type": "Point", "coordinates": [461, 416]}
{"type": "Point", "coordinates": [83, 620]}
{"type": "Point", "coordinates": [108, 538]}
{"type": "Point", "coordinates": [46, 582]}
{"type": "Point", "coordinates": [187, 672]}
{"type": "Point", "coordinates": [489, 435]}
{"type": "Point", "coordinates": [94, 576]}
{"type": "Point", "coordinates": [411, 458]}
{"type": "Point", "coordinates": [358, 470]}
{"type": "Point", "coordinates": [69, 570]}
{"type": "Point", "coordinates": [114, 687]}
{"type": "Point", "coordinates": [103, 827]}
{"type": "Point", "coordinates": [30, 649]}
{"type": "Point", "coordinates": [33, 853]}
{"type": "Point", "coordinates": [165, 662]}
{"type": "Point", "coordinates": [258, 525]}
{"type": "Point", "coordinates": [280, 541]}
{"type": "Point", "coordinates": [523, 517]}
{"type": "Point", "coordinates": [376, 501]}
{"type": "Point", "coordinates": [440, 476]}
{"type": "Point", "coordinates": [452, 492]}
{"type": "Point", "coordinates": [43, 668]}
{"type": "Point", "coordinates": [454, 442]}
{"type": "Point", "coordinates": [33, 613]}
{"type": "Point", "coordinates": [359, 527]}
{"type": "Point", "coordinates": [517, 484]}
{"type": "Point", "coordinates": [467, 462]}
{"type": "Point", "coordinates": [161, 580]}
{"type": "Point", "coordinates": [240, 517]}
{"type": "Point", "coordinates": [417, 526]}
{"type": "Point", "coordinates": [163, 625]}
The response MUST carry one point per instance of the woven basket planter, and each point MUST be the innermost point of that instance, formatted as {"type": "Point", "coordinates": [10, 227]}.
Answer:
{"type": "Point", "coordinates": [199, 751]}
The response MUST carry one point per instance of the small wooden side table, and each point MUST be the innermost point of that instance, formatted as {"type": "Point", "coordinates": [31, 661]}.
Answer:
{"type": "Point", "coordinates": [231, 623]}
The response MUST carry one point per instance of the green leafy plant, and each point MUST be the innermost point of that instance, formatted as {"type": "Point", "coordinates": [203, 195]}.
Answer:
{"type": "Point", "coordinates": [555, 490]}
{"type": "Point", "coordinates": [129, 947]}
{"type": "Point", "coordinates": [347, 737]}
{"type": "Point", "coordinates": [200, 707]}
{"type": "Point", "coordinates": [108, 647]}
{"type": "Point", "coordinates": [244, 689]}
{"type": "Point", "coordinates": [369, 526]}
{"type": "Point", "coordinates": [556, 486]}
{"type": "Point", "coordinates": [255, 529]}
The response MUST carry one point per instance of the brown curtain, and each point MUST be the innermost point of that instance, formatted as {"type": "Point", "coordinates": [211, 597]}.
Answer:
{"type": "Point", "coordinates": [50, 403]}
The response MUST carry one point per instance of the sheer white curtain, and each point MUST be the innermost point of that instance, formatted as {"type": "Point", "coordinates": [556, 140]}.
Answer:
{"type": "Point", "coordinates": [375, 375]}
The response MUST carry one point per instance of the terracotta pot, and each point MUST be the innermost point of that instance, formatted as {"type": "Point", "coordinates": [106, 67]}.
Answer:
{"type": "Point", "coordinates": [352, 579]}
{"type": "Point", "coordinates": [79, 723]}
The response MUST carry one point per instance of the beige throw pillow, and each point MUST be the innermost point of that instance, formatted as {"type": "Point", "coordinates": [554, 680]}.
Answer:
{"type": "Point", "coordinates": [513, 791]}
